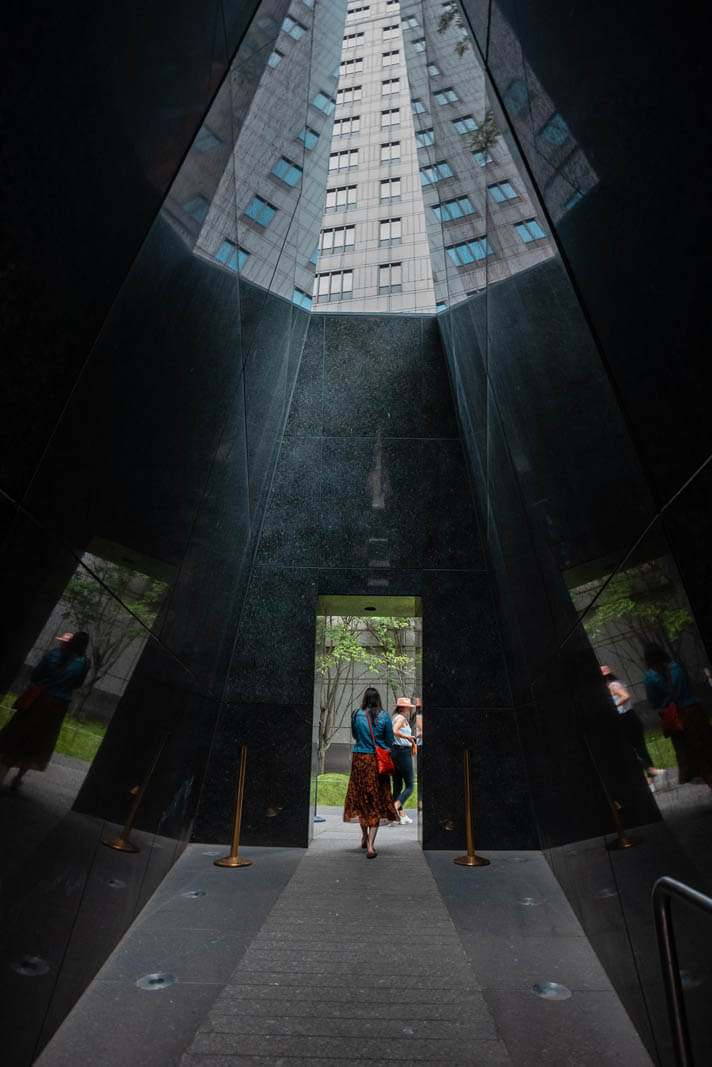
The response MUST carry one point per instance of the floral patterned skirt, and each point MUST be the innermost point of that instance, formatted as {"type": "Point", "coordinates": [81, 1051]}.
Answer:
{"type": "Point", "coordinates": [368, 797]}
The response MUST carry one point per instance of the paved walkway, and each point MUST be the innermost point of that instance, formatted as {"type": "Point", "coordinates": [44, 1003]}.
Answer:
{"type": "Point", "coordinates": [324, 957]}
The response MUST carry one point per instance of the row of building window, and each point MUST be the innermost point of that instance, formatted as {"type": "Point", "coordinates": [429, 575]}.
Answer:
{"type": "Point", "coordinates": [392, 117]}
{"type": "Point", "coordinates": [389, 87]}
{"type": "Point", "coordinates": [340, 199]}
{"type": "Point", "coordinates": [359, 11]}
{"type": "Point", "coordinates": [338, 285]}
{"type": "Point", "coordinates": [349, 67]}
{"type": "Point", "coordinates": [339, 239]}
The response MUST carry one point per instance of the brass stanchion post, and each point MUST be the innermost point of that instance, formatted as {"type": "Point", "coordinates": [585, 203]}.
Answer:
{"type": "Point", "coordinates": [470, 860]}
{"type": "Point", "coordinates": [233, 860]}
{"type": "Point", "coordinates": [122, 842]}
{"type": "Point", "coordinates": [623, 840]}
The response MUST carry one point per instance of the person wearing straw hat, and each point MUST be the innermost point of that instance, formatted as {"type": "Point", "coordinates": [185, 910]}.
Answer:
{"type": "Point", "coordinates": [403, 750]}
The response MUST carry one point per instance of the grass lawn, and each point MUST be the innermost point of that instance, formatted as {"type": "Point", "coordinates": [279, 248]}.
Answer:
{"type": "Point", "coordinates": [78, 739]}
{"type": "Point", "coordinates": [332, 791]}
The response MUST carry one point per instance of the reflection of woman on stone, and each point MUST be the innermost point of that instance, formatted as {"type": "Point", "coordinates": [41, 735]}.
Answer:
{"type": "Point", "coordinates": [28, 740]}
{"type": "Point", "coordinates": [666, 681]}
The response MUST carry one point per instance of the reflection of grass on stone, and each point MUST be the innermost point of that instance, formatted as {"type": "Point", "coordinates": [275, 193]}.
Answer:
{"type": "Point", "coordinates": [332, 791]}
{"type": "Point", "coordinates": [78, 739]}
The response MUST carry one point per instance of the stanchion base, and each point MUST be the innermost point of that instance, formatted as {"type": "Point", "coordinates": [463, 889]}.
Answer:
{"type": "Point", "coordinates": [232, 861]}
{"type": "Point", "coordinates": [121, 844]}
{"type": "Point", "coordinates": [471, 861]}
{"type": "Point", "coordinates": [626, 841]}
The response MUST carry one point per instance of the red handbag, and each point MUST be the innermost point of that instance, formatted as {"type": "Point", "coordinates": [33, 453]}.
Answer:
{"type": "Point", "coordinates": [30, 695]}
{"type": "Point", "coordinates": [384, 763]}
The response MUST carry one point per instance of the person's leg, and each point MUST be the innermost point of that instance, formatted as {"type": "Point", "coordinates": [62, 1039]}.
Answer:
{"type": "Point", "coordinates": [407, 773]}
{"type": "Point", "coordinates": [17, 780]}
{"type": "Point", "coordinates": [364, 835]}
{"type": "Point", "coordinates": [397, 774]}
{"type": "Point", "coordinates": [4, 770]}
{"type": "Point", "coordinates": [372, 831]}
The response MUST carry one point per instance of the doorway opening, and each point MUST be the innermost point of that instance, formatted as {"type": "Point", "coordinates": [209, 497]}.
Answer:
{"type": "Point", "coordinates": [362, 641]}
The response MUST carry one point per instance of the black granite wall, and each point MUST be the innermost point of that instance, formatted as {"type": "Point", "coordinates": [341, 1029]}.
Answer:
{"type": "Point", "coordinates": [148, 395]}
{"type": "Point", "coordinates": [371, 472]}
{"type": "Point", "coordinates": [579, 389]}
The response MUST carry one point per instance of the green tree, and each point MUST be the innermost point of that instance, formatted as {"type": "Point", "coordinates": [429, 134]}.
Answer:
{"type": "Point", "coordinates": [114, 605]}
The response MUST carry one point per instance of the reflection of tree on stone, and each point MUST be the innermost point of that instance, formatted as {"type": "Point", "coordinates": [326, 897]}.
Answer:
{"type": "Point", "coordinates": [487, 132]}
{"type": "Point", "coordinates": [341, 638]}
{"type": "Point", "coordinates": [115, 606]}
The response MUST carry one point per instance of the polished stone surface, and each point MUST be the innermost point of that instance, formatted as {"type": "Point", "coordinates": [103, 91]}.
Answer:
{"type": "Point", "coordinates": [286, 966]}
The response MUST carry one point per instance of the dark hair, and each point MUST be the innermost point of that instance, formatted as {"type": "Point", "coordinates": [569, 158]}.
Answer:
{"type": "Point", "coordinates": [371, 703]}
{"type": "Point", "coordinates": [76, 646]}
{"type": "Point", "coordinates": [610, 677]}
{"type": "Point", "coordinates": [655, 657]}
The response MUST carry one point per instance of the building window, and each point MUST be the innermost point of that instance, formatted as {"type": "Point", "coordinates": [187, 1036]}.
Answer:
{"type": "Point", "coordinates": [390, 152]}
{"type": "Point", "coordinates": [351, 66]}
{"type": "Point", "coordinates": [410, 22]}
{"type": "Point", "coordinates": [390, 277]}
{"type": "Point", "coordinates": [469, 251]}
{"type": "Point", "coordinates": [392, 3]}
{"type": "Point", "coordinates": [287, 171]}
{"type": "Point", "coordinates": [354, 13]}
{"type": "Point", "coordinates": [197, 208]}
{"type": "Point", "coordinates": [433, 70]}
{"type": "Point", "coordinates": [309, 137]}
{"type": "Point", "coordinates": [295, 29]}
{"type": "Point", "coordinates": [390, 59]}
{"type": "Point", "coordinates": [389, 232]}
{"type": "Point", "coordinates": [419, 45]}
{"type": "Point", "coordinates": [323, 102]}
{"type": "Point", "coordinates": [391, 117]}
{"type": "Point", "coordinates": [439, 308]}
{"type": "Point", "coordinates": [453, 209]}
{"type": "Point", "coordinates": [259, 210]}
{"type": "Point", "coordinates": [348, 96]}
{"type": "Point", "coordinates": [435, 173]}
{"type": "Point", "coordinates": [391, 189]}
{"type": "Point", "coordinates": [274, 58]}
{"type": "Point", "coordinates": [502, 191]}
{"type": "Point", "coordinates": [351, 40]}
{"type": "Point", "coordinates": [343, 160]}
{"type": "Point", "coordinates": [390, 86]}
{"type": "Point", "coordinates": [516, 96]}
{"type": "Point", "coordinates": [347, 126]}
{"type": "Point", "coordinates": [231, 255]}
{"type": "Point", "coordinates": [573, 200]}
{"type": "Point", "coordinates": [446, 96]}
{"type": "Point", "coordinates": [417, 106]}
{"type": "Point", "coordinates": [341, 199]}
{"type": "Point", "coordinates": [340, 239]}
{"type": "Point", "coordinates": [336, 285]}
{"type": "Point", "coordinates": [529, 230]}
{"type": "Point", "coordinates": [302, 299]}
{"type": "Point", "coordinates": [205, 139]}
{"type": "Point", "coordinates": [555, 131]}
{"type": "Point", "coordinates": [465, 124]}
{"type": "Point", "coordinates": [308, 3]}
{"type": "Point", "coordinates": [482, 158]}
{"type": "Point", "coordinates": [424, 138]}
{"type": "Point", "coordinates": [390, 33]}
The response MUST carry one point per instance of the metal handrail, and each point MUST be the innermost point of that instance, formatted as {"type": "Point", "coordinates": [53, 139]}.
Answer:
{"type": "Point", "coordinates": [663, 892]}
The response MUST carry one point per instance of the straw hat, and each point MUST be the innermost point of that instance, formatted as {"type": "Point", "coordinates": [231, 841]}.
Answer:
{"type": "Point", "coordinates": [404, 702]}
